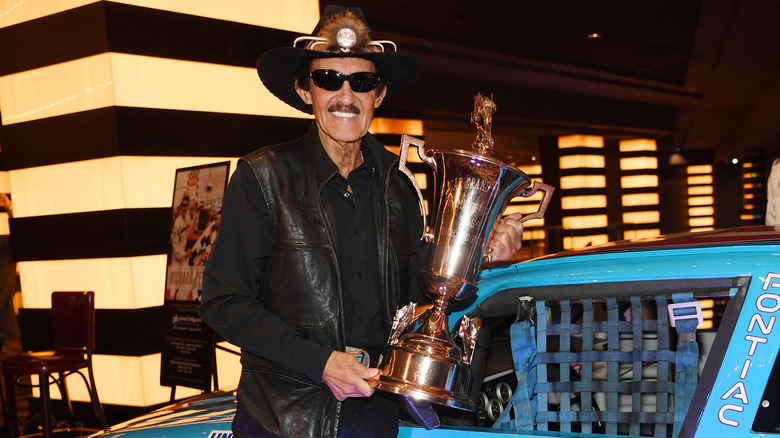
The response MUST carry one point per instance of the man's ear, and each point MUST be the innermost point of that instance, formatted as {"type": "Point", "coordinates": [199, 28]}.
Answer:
{"type": "Point", "coordinates": [305, 95]}
{"type": "Point", "coordinates": [380, 97]}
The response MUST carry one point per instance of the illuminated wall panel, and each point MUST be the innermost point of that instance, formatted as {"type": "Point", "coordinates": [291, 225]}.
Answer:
{"type": "Point", "coordinates": [583, 181]}
{"type": "Point", "coordinates": [641, 234]}
{"type": "Point", "coordinates": [701, 206]}
{"type": "Point", "coordinates": [701, 211]}
{"type": "Point", "coordinates": [637, 163]}
{"type": "Point", "coordinates": [639, 181]}
{"type": "Point", "coordinates": [641, 217]}
{"type": "Point", "coordinates": [640, 199]}
{"type": "Point", "coordinates": [114, 79]}
{"type": "Point", "coordinates": [125, 182]}
{"type": "Point", "coordinates": [583, 241]}
{"type": "Point", "coordinates": [754, 190]}
{"type": "Point", "coordinates": [697, 223]}
{"type": "Point", "coordinates": [578, 161]}
{"type": "Point", "coordinates": [18, 11]}
{"type": "Point", "coordinates": [587, 201]}
{"type": "Point", "coordinates": [577, 141]}
{"type": "Point", "coordinates": [700, 190]}
{"type": "Point", "coordinates": [582, 190]}
{"type": "Point", "coordinates": [294, 15]}
{"type": "Point", "coordinates": [699, 169]}
{"type": "Point", "coordinates": [701, 200]}
{"type": "Point", "coordinates": [384, 125]}
{"type": "Point", "coordinates": [585, 222]}
{"type": "Point", "coordinates": [638, 145]}
{"type": "Point", "coordinates": [50, 91]}
{"type": "Point", "coordinates": [123, 381]}
{"type": "Point", "coordinates": [131, 379]}
{"type": "Point", "coordinates": [119, 283]}
{"type": "Point", "coordinates": [698, 180]}
{"type": "Point", "coordinates": [532, 170]}
{"type": "Point", "coordinates": [639, 188]}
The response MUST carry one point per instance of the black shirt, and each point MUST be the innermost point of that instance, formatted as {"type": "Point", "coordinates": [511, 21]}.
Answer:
{"type": "Point", "coordinates": [357, 252]}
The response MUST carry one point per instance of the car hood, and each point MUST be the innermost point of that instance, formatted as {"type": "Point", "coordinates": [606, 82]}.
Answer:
{"type": "Point", "coordinates": [208, 415]}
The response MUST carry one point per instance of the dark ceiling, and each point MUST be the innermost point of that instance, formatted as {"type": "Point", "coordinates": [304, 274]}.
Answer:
{"type": "Point", "coordinates": [693, 74]}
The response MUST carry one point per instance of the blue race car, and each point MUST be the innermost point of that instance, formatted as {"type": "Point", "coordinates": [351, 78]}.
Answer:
{"type": "Point", "coordinates": [669, 336]}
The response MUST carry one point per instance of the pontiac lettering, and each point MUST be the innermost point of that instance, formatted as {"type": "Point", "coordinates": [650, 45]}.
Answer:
{"type": "Point", "coordinates": [758, 330]}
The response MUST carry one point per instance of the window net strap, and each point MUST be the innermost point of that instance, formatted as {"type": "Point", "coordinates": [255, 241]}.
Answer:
{"type": "Point", "coordinates": [519, 413]}
{"type": "Point", "coordinates": [687, 360]}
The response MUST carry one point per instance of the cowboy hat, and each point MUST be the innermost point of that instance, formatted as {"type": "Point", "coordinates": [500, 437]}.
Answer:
{"type": "Point", "coordinates": [341, 32]}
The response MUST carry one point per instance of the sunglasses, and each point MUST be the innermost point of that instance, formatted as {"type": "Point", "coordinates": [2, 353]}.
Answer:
{"type": "Point", "coordinates": [332, 80]}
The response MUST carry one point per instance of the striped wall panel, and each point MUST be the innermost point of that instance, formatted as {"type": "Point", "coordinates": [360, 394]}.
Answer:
{"type": "Point", "coordinates": [638, 164]}
{"type": "Point", "coordinates": [112, 131]}
{"type": "Point", "coordinates": [100, 103]}
{"type": "Point", "coordinates": [124, 332]}
{"type": "Point", "coordinates": [108, 233]}
{"type": "Point", "coordinates": [583, 190]}
{"type": "Point", "coordinates": [114, 27]}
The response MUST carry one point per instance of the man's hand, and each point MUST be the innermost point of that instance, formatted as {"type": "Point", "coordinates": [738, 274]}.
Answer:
{"type": "Point", "coordinates": [346, 377]}
{"type": "Point", "coordinates": [507, 239]}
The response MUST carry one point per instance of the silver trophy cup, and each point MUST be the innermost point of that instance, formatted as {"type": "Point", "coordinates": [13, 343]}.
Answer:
{"type": "Point", "coordinates": [472, 189]}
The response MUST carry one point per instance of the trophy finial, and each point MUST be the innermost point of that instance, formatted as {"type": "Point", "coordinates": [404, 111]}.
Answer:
{"type": "Point", "coordinates": [484, 108]}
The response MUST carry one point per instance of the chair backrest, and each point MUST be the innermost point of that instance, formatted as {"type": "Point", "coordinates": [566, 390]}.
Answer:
{"type": "Point", "coordinates": [73, 320]}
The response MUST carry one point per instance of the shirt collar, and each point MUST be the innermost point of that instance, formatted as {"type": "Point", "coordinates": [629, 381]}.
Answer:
{"type": "Point", "coordinates": [324, 165]}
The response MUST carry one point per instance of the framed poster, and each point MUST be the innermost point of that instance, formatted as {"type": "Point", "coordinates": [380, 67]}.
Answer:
{"type": "Point", "coordinates": [188, 343]}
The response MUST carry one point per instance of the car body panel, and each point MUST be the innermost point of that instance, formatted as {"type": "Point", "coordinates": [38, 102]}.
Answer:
{"type": "Point", "coordinates": [208, 415]}
{"type": "Point", "coordinates": [744, 372]}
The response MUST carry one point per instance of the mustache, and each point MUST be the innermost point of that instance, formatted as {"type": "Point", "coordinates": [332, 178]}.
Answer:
{"type": "Point", "coordinates": [344, 108]}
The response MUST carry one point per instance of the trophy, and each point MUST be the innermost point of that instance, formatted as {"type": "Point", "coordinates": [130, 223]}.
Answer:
{"type": "Point", "coordinates": [421, 362]}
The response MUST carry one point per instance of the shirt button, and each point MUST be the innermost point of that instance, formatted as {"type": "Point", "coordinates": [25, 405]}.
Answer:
{"type": "Point", "coordinates": [360, 275]}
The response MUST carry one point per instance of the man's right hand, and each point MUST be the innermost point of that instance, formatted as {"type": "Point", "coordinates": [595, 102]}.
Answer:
{"type": "Point", "coordinates": [346, 377]}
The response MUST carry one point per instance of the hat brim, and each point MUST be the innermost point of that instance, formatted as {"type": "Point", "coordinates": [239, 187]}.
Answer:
{"type": "Point", "coordinates": [277, 69]}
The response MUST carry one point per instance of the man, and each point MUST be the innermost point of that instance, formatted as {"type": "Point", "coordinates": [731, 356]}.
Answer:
{"type": "Point", "coordinates": [319, 244]}
{"type": "Point", "coordinates": [773, 195]}
{"type": "Point", "coordinates": [181, 226]}
{"type": "Point", "coordinates": [9, 328]}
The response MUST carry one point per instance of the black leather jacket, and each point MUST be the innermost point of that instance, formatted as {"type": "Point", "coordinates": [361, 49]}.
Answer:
{"type": "Point", "coordinates": [301, 283]}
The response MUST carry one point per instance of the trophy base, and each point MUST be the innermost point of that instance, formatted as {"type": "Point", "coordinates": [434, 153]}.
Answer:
{"type": "Point", "coordinates": [439, 380]}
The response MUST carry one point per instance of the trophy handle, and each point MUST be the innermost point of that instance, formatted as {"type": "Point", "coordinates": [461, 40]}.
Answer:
{"type": "Point", "coordinates": [406, 140]}
{"type": "Point", "coordinates": [548, 191]}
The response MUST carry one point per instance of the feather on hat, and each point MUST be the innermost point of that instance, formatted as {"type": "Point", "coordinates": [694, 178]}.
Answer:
{"type": "Point", "coordinates": [341, 32]}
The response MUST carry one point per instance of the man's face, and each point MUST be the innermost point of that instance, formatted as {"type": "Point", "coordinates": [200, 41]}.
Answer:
{"type": "Point", "coordinates": [343, 116]}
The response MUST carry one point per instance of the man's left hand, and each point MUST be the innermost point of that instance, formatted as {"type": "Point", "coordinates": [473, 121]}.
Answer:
{"type": "Point", "coordinates": [346, 377]}
{"type": "Point", "coordinates": [507, 239]}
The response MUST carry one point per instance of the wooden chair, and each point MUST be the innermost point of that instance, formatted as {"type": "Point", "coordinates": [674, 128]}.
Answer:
{"type": "Point", "coordinates": [73, 327]}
